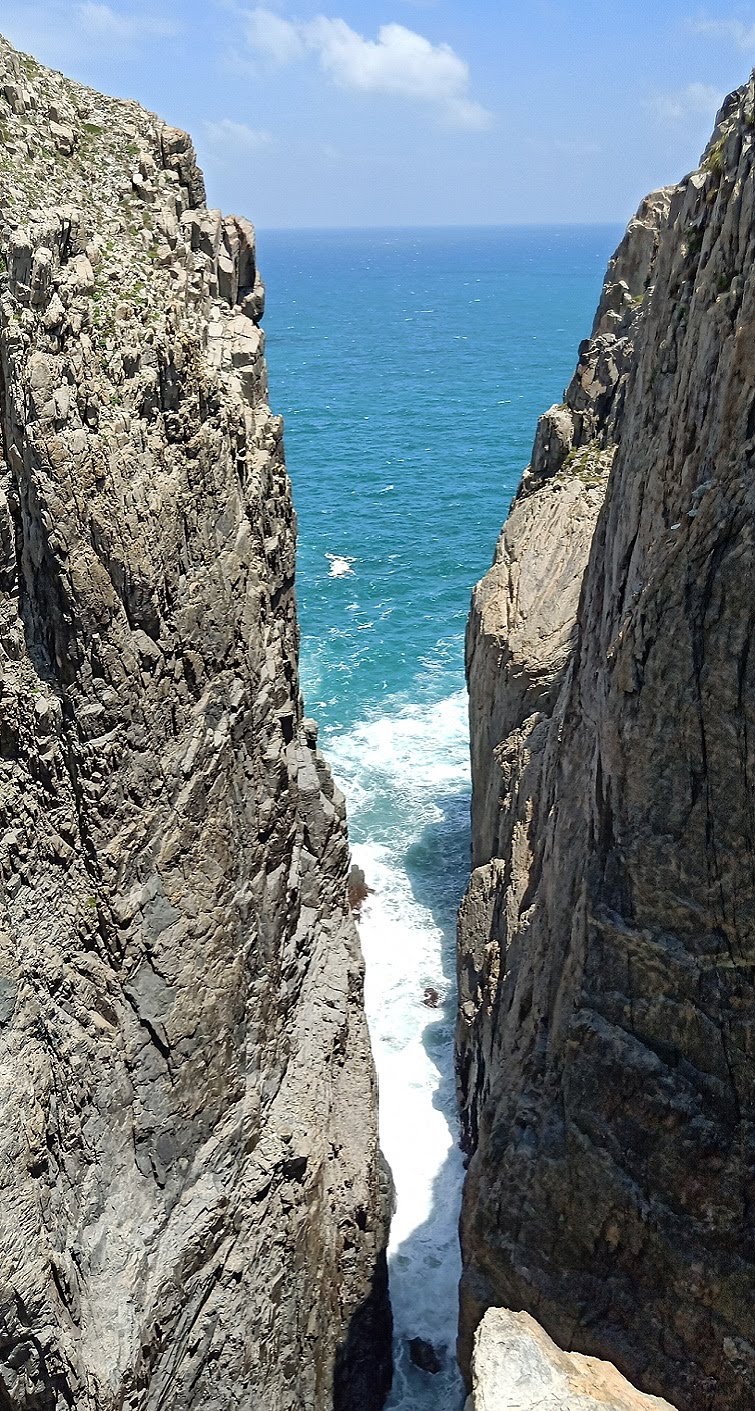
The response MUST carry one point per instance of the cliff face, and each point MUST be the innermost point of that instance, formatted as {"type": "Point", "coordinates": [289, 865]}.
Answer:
{"type": "Point", "coordinates": [607, 943]}
{"type": "Point", "coordinates": [191, 1211]}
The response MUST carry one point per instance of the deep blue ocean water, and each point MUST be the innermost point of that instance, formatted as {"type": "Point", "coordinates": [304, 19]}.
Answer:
{"type": "Point", "coordinates": [411, 367]}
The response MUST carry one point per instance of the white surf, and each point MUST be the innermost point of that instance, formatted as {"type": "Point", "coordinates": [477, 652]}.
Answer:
{"type": "Point", "coordinates": [405, 776]}
{"type": "Point", "coordinates": [340, 566]}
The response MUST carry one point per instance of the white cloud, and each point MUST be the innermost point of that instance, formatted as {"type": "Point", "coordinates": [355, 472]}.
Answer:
{"type": "Point", "coordinates": [399, 62]}
{"type": "Point", "coordinates": [696, 100]}
{"type": "Point", "coordinates": [735, 31]}
{"type": "Point", "coordinates": [276, 38]}
{"type": "Point", "coordinates": [227, 133]}
{"type": "Point", "coordinates": [102, 22]}
{"type": "Point", "coordinates": [65, 34]}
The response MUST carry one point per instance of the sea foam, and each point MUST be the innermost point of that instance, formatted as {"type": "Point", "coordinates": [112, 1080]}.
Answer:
{"type": "Point", "coordinates": [405, 775]}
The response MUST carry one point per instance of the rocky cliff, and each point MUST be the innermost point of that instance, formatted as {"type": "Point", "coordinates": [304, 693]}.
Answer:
{"type": "Point", "coordinates": [606, 1038]}
{"type": "Point", "coordinates": [191, 1211]}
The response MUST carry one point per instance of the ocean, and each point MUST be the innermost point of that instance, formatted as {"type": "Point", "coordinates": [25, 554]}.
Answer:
{"type": "Point", "coordinates": [411, 367]}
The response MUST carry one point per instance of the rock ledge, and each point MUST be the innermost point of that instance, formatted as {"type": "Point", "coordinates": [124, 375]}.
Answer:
{"type": "Point", "coordinates": [516, 1367]}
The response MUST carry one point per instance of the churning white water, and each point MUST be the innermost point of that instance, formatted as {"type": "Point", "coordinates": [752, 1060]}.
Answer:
{"type": "Point", "coordinates": [405, 776]}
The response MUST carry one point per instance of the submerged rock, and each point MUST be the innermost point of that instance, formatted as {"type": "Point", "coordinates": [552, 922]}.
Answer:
{"type": "Point", "coordinates": [606, 1062]}
{"type": "Point", "coordinates": [192, 1207]}
{"type": "Point", "coordinates": [424, 1356]}
{"type": "Point", "coordinates": [357, 890]}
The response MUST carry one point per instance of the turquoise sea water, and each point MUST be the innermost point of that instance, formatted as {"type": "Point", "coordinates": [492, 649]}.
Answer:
{"type": "Point", "coordinates": [411, 367]}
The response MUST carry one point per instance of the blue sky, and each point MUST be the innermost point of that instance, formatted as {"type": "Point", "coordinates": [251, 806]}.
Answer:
{"type": "Point", "coordinates": [414, 112]}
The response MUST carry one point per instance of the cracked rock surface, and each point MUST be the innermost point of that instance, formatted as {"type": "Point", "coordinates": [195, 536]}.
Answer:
{"type": "Point", "coordinates": [192, 1209]}
{"type": "Point", "coordinates": [516, 1367]}
{"type": "Point", "coordinates": [606, 1036]}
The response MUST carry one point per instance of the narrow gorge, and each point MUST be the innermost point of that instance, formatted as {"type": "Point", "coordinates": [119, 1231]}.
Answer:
{"type": "Point", "coordinates": [193, 1211]}
{"type": "Point", "coordinates": [606, 1035]}
{"type": "Point", "coordinates": [194, 1208]}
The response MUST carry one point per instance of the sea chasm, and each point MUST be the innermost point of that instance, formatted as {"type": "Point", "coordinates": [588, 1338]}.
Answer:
{"type": "Point", "coordinates": [300, 1111]}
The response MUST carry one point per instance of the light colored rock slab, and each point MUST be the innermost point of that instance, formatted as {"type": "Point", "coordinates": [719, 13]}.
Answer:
{"type": "Point", "coordinates": [517, 1367]}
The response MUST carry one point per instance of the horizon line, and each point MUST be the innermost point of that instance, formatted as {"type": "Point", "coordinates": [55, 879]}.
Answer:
{"type": "Point", "coordinates": [486, 225]}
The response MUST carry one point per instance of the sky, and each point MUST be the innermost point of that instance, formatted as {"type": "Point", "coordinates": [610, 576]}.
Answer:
{"type": "Point", "coordinates": [312, 113]}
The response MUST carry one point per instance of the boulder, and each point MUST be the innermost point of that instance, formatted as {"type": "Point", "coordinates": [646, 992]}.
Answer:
{"type": "Point", "coordinates": [516, 1367]}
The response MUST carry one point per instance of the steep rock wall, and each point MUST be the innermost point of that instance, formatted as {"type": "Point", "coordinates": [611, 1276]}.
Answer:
{"type": "Point", "coordinates": [607, 942]}
{"type": "Point", "coordinates": [192, 1212]}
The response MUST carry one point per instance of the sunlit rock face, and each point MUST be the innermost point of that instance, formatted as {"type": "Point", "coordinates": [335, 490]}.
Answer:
{"type": "Point", "coordinates": [516, 1367]}
{"type": "Point", "coordinates": [191, 1206]}
{"type": "Point", "coordinates": [607, 942]}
